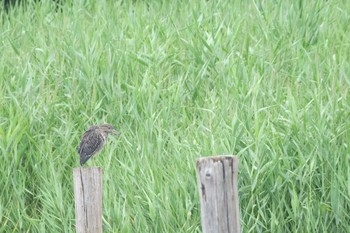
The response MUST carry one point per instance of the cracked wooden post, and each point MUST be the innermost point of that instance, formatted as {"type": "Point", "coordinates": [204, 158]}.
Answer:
{"type": "Point", "coordinates": [88, 199]}
{"type": "Point", "coordinates": [217, 182]}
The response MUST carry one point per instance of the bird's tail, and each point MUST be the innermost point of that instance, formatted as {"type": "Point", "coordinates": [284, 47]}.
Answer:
{"type": "Point", "coordinates": [83, 159]}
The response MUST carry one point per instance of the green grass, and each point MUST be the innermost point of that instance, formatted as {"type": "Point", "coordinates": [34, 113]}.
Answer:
{"type": "Point", "coordinates": [266, 81]}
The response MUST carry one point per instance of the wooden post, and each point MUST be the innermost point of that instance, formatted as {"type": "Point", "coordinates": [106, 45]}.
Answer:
{"type": "Point", "coordinates": [217, 181]}
{"type": "Point", "coordinates": [88, 199]}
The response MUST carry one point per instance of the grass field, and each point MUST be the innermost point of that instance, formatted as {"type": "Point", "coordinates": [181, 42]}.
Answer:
{"type": "Point", "coordinates": [266, 81]}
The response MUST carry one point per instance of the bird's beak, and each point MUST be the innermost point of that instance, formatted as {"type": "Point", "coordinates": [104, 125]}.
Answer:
{"type": "Point", "coordinates": [115, 132]}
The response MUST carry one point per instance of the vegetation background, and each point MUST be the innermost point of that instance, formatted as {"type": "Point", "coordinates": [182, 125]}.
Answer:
{"type": "Point", "coordinates": [267, 81]}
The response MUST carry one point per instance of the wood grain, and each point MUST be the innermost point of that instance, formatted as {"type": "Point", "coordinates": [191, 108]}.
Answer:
{"type": "Point", "coordinates": [88, 199]}
{"type": "Point", "coordinates": [217, 182]}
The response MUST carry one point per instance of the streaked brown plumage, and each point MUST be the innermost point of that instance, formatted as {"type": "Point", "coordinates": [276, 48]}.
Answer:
{"type": "Point", "coordinates": [93, 141]}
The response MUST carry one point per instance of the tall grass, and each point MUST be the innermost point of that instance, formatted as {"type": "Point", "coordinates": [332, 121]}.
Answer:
{"type": "Point", "coordinates": [266, 81]}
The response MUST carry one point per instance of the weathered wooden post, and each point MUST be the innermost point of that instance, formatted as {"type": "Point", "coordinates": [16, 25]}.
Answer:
{"type": "Point", "coordinates": [88, 199]}
{"type": "Point", "coordinates": [217, 182]}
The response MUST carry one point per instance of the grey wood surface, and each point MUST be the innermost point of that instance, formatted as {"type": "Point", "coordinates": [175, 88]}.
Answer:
{"type": "Point", "coordinates": [218, 190]}
{"type": "Point", "coordinates": [88, 199]}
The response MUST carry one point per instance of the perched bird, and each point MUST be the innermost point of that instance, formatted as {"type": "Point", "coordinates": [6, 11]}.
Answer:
{"type": "Point", "coordinates": [93, 141]}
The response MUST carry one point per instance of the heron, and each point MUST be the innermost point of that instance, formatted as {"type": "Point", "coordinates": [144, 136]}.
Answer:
{"type": "Point", "coordinates": [93, 141]}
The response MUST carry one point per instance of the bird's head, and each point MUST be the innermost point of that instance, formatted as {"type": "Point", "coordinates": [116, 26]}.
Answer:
{"type": "Point", "coordinates": [108, 129]}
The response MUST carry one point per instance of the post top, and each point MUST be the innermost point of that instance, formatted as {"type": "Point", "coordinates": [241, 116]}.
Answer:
{"type": "Point", "coordinates": [87, 169]}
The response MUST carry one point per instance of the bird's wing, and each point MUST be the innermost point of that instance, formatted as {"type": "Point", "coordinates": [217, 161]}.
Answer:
{"type": "Point", "coordinates": [91, 143]}
{"type": "Point", "coordinates": [84, 138]}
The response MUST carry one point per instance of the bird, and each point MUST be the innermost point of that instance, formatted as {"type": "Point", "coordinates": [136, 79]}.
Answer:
{"type": "Point", "coordinates": [93, 141]}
